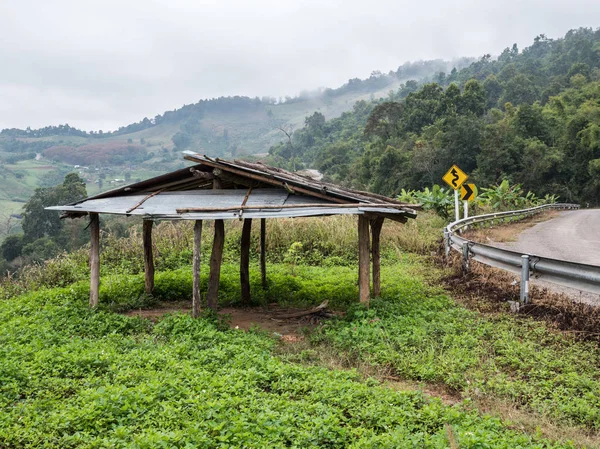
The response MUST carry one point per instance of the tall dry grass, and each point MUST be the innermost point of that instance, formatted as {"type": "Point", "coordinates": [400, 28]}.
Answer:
{"type": "Point", "coordinates": [324, 240]}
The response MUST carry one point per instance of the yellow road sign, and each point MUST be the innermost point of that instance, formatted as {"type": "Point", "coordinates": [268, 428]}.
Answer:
{"type": "Point", "coordinates": [455, 177]}
{"type": "Point", "coordinates": [468, 192]}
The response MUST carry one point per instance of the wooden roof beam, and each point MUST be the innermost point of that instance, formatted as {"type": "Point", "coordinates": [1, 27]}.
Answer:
{"type": "Point", "coordinates": [266, 180]}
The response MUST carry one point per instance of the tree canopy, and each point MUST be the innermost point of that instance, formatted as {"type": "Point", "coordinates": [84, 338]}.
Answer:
{"type": "Point", "coordinates": [530, 117]}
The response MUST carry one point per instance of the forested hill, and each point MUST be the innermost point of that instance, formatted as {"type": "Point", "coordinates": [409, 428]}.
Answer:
{"type": "Point", "coordinates": [530, 116]}
{"type": "Point", "coordinates": [228, 126]}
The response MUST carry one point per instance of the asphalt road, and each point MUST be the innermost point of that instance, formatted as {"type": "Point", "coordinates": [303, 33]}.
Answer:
{"type": "Point", "coordinates": [572, 235]}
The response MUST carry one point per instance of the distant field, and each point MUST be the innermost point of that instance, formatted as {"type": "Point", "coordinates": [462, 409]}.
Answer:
{"type": "Point", "coordinates": [225, 134]}
{"type": "Point", "coordinates": [8, 207]}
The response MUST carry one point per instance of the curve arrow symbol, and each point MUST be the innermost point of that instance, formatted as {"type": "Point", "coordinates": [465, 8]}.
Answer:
{"type": "Point", "coordinates": [468, 192]}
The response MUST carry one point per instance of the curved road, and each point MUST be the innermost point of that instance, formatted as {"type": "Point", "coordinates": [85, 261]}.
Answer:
{"type": "Point", "coordinates": [572, 235]}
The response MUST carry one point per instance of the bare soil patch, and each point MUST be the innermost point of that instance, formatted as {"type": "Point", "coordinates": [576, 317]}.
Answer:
{"type": "Point", "coordinates": [40, 167]}
{"type": "Point", "coordinates": [489, 290]}
{"type": "Point", "coordinates": [508, 232]}
{"type": "Point", "coordinates": [272, 318]}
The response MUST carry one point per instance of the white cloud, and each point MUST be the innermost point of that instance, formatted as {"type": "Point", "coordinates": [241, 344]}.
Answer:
{"type": "Point", "coordinates": [102, 64]}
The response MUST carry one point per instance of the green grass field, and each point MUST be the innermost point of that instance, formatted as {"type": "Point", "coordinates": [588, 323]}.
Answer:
{"type": "Point", "coordinates": [72, 377]}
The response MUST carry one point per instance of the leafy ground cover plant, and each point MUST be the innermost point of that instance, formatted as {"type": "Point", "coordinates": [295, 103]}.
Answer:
{"type": "Point", "coordinates": [56, 356]}
{"type": "Point", "coordinates": [421, 334]}
{"type": "Point", "coordinates": [71, 377]}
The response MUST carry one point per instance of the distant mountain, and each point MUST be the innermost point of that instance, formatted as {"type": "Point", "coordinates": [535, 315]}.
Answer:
{"type": "Point", "coordinates": [225, 126]}
{"type": "Point", "coordinates": [231, 125]}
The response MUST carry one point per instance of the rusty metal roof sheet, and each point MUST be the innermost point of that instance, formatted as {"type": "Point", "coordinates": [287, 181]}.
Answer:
{"type": "Point", "coordinates": [188, 194]}
{"type": "Point", "coordinates": [165, 205]}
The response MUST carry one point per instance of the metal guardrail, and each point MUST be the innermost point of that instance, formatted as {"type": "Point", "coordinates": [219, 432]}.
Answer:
{"type": "Point", "coordinates": [570, 274]}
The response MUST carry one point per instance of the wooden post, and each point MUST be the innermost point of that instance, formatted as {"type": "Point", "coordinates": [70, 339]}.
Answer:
{"type": "Point", "coordinates": [148, 256]}
{"type": "Point", "coordinates": [94, 259]}
{"type": "Point", "coordinates": [245, 260]}
{"type": "Point", "coordinates": [263, 252]}
{"type": "Point", "coordinates": [216, 256]}
{"type": "Point", "coordinates": [363, 259]}
{"type": "Point", "coordinates": [196, 296]}
{"type": "Point", "coordinates": [376, 225]}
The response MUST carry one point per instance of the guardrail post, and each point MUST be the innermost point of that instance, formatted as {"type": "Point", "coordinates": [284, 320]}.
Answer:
{"type": "Point", "coordinates": [465, 264]}
{"type": "Point", "coordinates": [446, 242]}
{"type": "Point", "coordinates": [524, 296]}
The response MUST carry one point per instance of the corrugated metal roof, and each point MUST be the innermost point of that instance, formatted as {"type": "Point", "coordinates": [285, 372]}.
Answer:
{"type": "Point", "coordinates": [172, 195]}
{"type": "Point", "coordinates": [165, 205]}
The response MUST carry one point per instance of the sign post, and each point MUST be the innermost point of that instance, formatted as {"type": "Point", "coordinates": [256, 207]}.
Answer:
{"type": "Point", "coordinates": [456, 206]}
{"type": "Point", "coordinates": [455, 178]}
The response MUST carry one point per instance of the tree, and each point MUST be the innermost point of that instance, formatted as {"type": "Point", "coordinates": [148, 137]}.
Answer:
{"type": "Point", "coordinates": [288, 130]}
{"type": "Point", "coordinates": [315, 123]}
{"type": "Point", "coordinates": [72, 189]}
{"type": "Point", "coordinates": [41, 249]}
{"type": "Point", "coordinates": [8, 223]}
{"type": "Point", "coordinates": [473, 99]}
{"type": "Point", "coordinates": [182, 140]}
{"type": "Point", "coordinates": [493, 91]}
{"type": "Point", "coordinates": [519, 90]}
{"type": "Point", "coordinates": [384, 120]}
{"type": "Point", "coordinates": [12, 247]}
{"type": "Point", "coordinates": [38, 222]}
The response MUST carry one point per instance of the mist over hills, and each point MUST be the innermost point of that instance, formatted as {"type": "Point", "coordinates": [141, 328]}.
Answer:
{"type": "Point", "coordinates": [498, 117]}
{"type": "Point", "coordinates": [241, 123]}
{"type": "Point", "coordinates": [225, 126]}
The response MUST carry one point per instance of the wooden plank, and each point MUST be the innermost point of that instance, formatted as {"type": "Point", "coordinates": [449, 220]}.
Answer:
{"type": "Point", "coordinates": [288, 206]}
{"type": "Point", "coordinates": [94, 259]}
{"type": "Point", "coordinates": [274, 172]}
{"type": "Point", "coordinates": [148, 257]}
{"type": "Point", "coordinates": [265, 179]}
{"type": "Point", "coordinates": [235, 179]}
{"type": "Point", "coordinates": [217, 183]}
{"type": "Point", "coordinates": [146, 198]}
{"type": "Point", "coordinates": [245, 260]}
{"type": "Point", "coordinates": [196, 296]}
{"type": "Point", "coordinates": [376, 225]}
{"type": "Point", "coordinates": [363, 259]}
{"type": "Point", "coordinates": [263, 252]}
{"type": "Point", "coordinates": [216, 257]}
{"type": "Point", "coordinates": [321, 307]}
{"type": "Point", "coordinates": [201, 174]}
{"type": "Point", "coordinates": [247, 196]}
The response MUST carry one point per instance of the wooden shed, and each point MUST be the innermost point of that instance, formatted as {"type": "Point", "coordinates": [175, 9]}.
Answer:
{"type": "Point", "coordinates": [216, 189]}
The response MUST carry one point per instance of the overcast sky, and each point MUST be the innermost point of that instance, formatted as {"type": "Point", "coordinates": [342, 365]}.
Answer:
{"type": "Point", "coordinates": [104, 64]}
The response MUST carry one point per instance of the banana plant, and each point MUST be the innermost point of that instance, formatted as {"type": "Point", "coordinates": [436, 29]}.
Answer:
{"type": "Point", "coordinates": [502, 196]}
{"type": "Point", "coordinates": [438, 199]}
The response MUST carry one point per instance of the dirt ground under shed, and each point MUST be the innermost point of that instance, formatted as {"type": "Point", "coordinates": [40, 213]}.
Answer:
{"type": "Point", "coordinates": [271, 318]}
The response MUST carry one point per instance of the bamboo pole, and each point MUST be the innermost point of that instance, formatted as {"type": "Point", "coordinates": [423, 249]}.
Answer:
{"type": "Point", "coordinates": [196, 296]}
{"type": "Point", "coordinates": [376, 225]}
{"type": "Point", "coordinates": [148, 257]}
{"type": "Point", "coordinates": [363, 259]}
{"type": "Point", "coordinates": [245, 260]}
{"type": "Point", "coordinates": [263, 252]}
{"type": "Point", "coordinates": [94, 259]}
